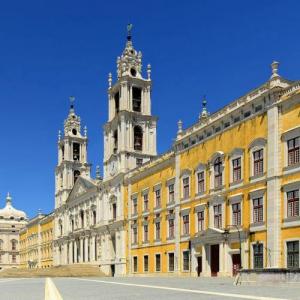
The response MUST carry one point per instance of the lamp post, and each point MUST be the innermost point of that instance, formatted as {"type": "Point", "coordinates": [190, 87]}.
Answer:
{"type": "Point", "coordinates": [226, 233]}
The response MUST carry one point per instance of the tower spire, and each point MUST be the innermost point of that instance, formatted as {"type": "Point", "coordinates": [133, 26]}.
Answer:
{"type": "Point", "coordinates": [8, 198]}
{"type": "Point", "coordinates": [72, 100]}
{"type": "Point", "coordinates": [204, 113]}
{"type": "Point", "coordinates": [129, 28]}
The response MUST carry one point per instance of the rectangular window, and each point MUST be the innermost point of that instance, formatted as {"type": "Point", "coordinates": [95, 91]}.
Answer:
{"type": "Point", "coordinates": [186, 260]}
{"type": "Point", "coordinates": [157, 230]}
{"type": "Point", "coordinates": [293, 151]}
{"type": "Point", "coordinates": [139, 162]}
{"type": "Point", "coordinates": [258, 210]}
{"type": "Point", "coordinates": [200, 180]}
{"type": "Point", "coordinates": [14, 258]}
{"type": "Point", "coordinates": [157, 198]}
{"type": "Point", "coordinates": [146, 233]}
{"type": "Point", "coordinates": [186, 224]}
{"type": "Point", "coordinates": [134, 235]}
{"type": "Point", "coordinates": [146, 263]}
{"type": "Point", "coordinates": [171, 262]}
{"type": "Point", "coordinates": [186, 187]}
{"type": "Point", "coordinates": [292, 254]}
{"type": "Point", "coordinates": [218, 216]}
{"type": "Point", "coordinates": [134, 206]}
{"type": "Point", "coordinates": [236, 214]}
{"type": "Point", "coordinates": [135, 264]}
{"type": "Point", "coordinates": [146, 202]}
{"type": "Point", "coordinates": [258, 162]}
{"type": "Point", "coordinates": [218, 173]}
{"type": "Point", "coordinates": [200, 219]}
{"type": "Point", "coordinates": [114, 208]}
{"type": "Point", "coordinates": [171, 193]}
{"type": "Point", "coordinates": [171, 228]}
{"type": "Point", "coordinates": [293, 203]}
{"type": "Point", "coordinates": [157, 262]}
{"type": "Point", "coordinates": [237, 170]}
{"type": "Point", "coordinates": [136, 99]}
{"type": "Point", "coordinates": [76, 151]}
{"type": "Point", "coordinates": [258, 256]}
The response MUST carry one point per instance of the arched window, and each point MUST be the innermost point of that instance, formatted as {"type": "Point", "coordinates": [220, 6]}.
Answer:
{"type": "Point", "coordinates": [72, 224]}
{"type": "Point", "coordinates": [76, 175]}
{"type": "Point", "coordinates": [136, 99]}
{"type": "Point", "coordinates": [14, 245]}
{"type": "Point", "coordinates": [138, 138]}
{"type": "Point", "coordinates": [94, 217]}
{"type": "Point", "coordinates": [76, 151]}
{"type": "Point", "coordinates": [117, 102]}
{"type": "Point", "coordinates": [60, 227]}
{"type": "Point", "coordinates": [218, 172]}
{"type": "Point", "coordinates": [115, 141]}
{"type": "Point", "coordinates": [82, 218]}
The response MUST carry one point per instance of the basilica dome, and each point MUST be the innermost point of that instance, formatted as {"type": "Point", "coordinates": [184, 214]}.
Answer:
{"type": "Point", "coordinates": [9, 212]}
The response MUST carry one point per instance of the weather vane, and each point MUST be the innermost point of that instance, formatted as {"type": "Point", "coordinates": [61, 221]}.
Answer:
{"type": "Point", "coordinates": [129, 28]}
{"type": "Point", "coordinates": [72, 99]}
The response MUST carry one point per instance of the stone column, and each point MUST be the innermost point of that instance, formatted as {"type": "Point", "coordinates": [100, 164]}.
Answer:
{"type": "Point", "coordinates": [193, 261]}
{"type": "Point", "coordinates": [86, 249]}
{"type": "Point", "coordinates": [70, 252]}
{"type": "Point", "coordinates": [273, 201]}
{"type": "Point", "coordinates": [75, 251]}
{"type": "Point", "coordinates": [206, 260]}
{"type": "Point", "coordinates": [81, 250]}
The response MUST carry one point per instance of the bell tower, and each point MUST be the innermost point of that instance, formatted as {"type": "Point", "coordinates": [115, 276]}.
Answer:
{"type": "Point", "coordinates": [130, 133]}
{"type": "Point", "coordinates": [72, 156]}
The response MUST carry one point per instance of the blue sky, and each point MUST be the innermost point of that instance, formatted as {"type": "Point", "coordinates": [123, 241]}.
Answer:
{"type": "Point", "coordinates": [53, 49]}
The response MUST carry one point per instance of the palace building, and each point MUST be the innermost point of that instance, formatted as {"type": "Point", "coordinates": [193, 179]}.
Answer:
{"type": "Point", "coordinates": [226, 196]}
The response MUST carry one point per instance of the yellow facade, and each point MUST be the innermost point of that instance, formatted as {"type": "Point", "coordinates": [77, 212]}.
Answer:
{"type": "Point", "coordinates": [253, 211]}
{"type": "Point", "coordinates": [36, 243]}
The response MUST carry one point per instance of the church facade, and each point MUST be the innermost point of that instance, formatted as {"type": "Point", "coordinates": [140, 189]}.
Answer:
{"type": "Point", "coordinates": [226, 196]}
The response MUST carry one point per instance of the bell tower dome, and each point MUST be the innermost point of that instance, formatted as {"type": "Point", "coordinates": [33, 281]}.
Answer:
{"type": "Point", "coordinates": [130, 133]}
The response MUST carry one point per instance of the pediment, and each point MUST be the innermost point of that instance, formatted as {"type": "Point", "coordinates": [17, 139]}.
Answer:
{"type": "Point", "coordinates": [81, 186]}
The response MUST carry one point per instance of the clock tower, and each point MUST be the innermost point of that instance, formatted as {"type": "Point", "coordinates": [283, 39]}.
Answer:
{"type": "Point", "coordinates": [130, 133]}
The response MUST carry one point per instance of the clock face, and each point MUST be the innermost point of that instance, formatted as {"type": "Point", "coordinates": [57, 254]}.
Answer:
{"type": "Point", "coordinates": [113, 167]}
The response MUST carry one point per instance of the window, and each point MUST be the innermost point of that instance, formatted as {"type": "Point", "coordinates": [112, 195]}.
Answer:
{"type": "Point", "coordinates": [157, 262]}
{"type": "Point", "coordinates": [139, 162]}
{"type": "Point", "coordinates": [293, 151]}
{"type": "Point", "coordinates": [146, 233]}
{"type": "Point", "coordinates": [186, 260]}
{"type": "Point", "coordinates": [76, 151]}
{"type": "Point", "coordinates": [136, 99]}
{"type": "Point", "coordinates": [186, 224]}
{"type": "Point", "coordinates": [171, 193]}
{"type": "Point", "coordinates": [117, 102]}
{"type": "Point", "coordinates": [236, 167]}
{"type": "Point", "coordinates": [13, 245]}
{"type": "Point", "coordinates": [258, 162]}
{"type": "Point", "coordinates": [94, 218]}
{"type": "Point", "coordinates": [293, 203]}
{"type": "Point", "coordinates": [146, 202]}
{"type": "Point", "coordinates": [14, 258]}
{"type": "Point", "coordinates": [76, 175]}
{"type": "Point", "coordinates": [82, 218]}
{"type": "Point", "coordinates": [115, 137]}
{"type": "Point", "coordinates": [200, 181]}
{"type": "Point", "coordinates": [134, 206]}
{"type": "Point", "coordinates": [200, 220]}
{"type": "Point", "coordinates": [218, 172]}
{"type": "Point", "coordinates": [171, 262]}
{"type": "Point", "coordinates": [134, 235]}
{"type": "Point", "coordinates": [218, 216]}
{"type": "Point", "coordinates": [157, 230]}
{"type": "Point", "coordinates": [138, 138]}
{"type": "Point", "coordinates": [146, 263]}
{"type": "Point", "coordinates": [114, 211]}
{"type": "Point", "coordinates": [157, 198]}
{"type": "Point", "coordinates": [258, 256]}
{"type": "Point", "coordinates": [171, 228]}
{"type": "Point", "coordinates": [292, 254]}
{"type": "Point", "coordinates": [236, 214]}
{"type": "Point", "coordinates": [135, 264]}
{"type": "Point", "coordinates": [258, 213]}
{"type": "Point", "coordinates": [186, 187]}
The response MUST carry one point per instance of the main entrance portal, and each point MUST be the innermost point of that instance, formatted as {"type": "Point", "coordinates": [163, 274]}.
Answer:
{"type": "Point", "coordinates": [214, 260]}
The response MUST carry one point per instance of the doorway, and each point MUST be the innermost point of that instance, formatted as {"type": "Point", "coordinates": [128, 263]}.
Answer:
{"type": "Point", "coordinates": [236, 263]}
{"type": "Point", "coordinates": [112, 270]}
{"type": "Point", "coordinates": [214, 260]}
{"type": "Point", "coordinates": [199, 265]}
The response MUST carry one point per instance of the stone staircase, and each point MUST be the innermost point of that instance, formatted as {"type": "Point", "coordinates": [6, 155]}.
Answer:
{"type": "Point", "coordinates": [76, 270]}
